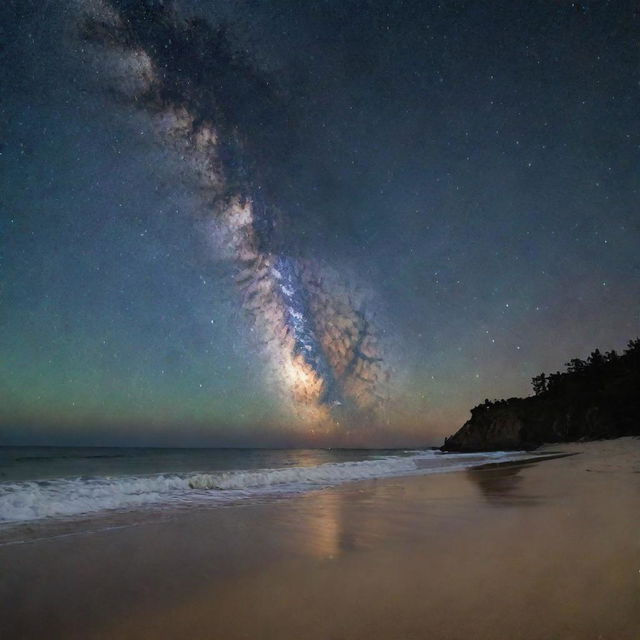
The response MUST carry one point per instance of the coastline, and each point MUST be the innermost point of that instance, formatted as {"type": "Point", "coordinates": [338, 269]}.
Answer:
{"type": "Point", "coordinates": [524, 550]}
{"type": "Point", "coordinates": [41, 530]}
{"type": "Point", "coordinates": [65, 499]}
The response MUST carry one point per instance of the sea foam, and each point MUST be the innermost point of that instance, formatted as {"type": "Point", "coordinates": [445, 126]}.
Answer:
{"type": "Point", "coordinates": [66, 497]}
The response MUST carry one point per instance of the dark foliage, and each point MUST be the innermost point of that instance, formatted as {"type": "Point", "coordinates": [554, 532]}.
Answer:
{"type": "Point", "coordinates": [594, 398]}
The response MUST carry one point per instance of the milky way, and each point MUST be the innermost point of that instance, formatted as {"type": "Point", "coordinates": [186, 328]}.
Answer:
{"type": "Point", "coordinates": [205, 101]}
{"type": "Point", "coordinates": [225, 223]}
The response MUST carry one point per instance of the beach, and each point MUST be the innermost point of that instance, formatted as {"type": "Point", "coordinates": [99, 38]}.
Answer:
{"type": "Point", "coordinates": [549, 549]}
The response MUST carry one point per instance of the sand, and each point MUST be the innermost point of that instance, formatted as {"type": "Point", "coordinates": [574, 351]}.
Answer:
{"type": "Point", "coordinates": [546, 550]}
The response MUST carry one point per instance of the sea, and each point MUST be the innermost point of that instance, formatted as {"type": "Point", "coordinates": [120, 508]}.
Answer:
{"type": "Point", "coordinates": [52, 483]}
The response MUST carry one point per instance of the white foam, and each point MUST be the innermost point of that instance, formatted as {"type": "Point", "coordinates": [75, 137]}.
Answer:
{"type": "Point", "coordinates": [321, 475]}
{"type": "Point", "coordinates": [24, 501]}
{"type": "Point", "coordinates": [27, 501]}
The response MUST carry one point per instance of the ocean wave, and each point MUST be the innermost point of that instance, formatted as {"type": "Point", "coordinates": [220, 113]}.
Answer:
{"type": "Point", "coordinates": [66, 497]}
{"type": "Point", "coordinates": [25, 501]}
{"type": "Point", "coordinates": [324, 474]}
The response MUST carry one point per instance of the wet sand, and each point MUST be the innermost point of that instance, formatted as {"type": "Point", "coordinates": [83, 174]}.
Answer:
{"type": "Point", "coordinates": [544, 550]}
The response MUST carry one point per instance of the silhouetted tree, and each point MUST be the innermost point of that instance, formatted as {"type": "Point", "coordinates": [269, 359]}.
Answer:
{"type": "Point", "coordinates": [633, 347]}
{"type": "Point", "coordinates": [575, 365]}
{"type": "Point", "coordinates": [539, 384]}
{"type": "Point", "coordinates": [596, 359]}
{"type": "Point", "coordinates": [553, 381]}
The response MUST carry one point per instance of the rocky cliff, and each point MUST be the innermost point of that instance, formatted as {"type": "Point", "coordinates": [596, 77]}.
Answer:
{"type": "Point", "coordinates": [593, 399]}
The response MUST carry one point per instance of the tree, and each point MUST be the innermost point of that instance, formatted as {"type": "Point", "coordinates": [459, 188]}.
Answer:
{"type": "Point", "coordinates": [553, 381]}
{"type": "Point", "coordinates": [633, 346]}
{"type": "Point", "coordinates": [575, 365]}
{"type": "Point", "coordinates": [611, 356]}
{"type": "Point", "coordinates": [595, 359]}
{"type": "Point", "coordinates": [539, 384]}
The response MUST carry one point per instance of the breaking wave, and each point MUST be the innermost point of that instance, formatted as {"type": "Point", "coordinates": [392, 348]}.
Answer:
{"type": "Point", "coordinates": [68, 497]}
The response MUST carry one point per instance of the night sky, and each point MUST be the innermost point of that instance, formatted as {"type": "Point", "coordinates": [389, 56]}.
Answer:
{"type": "Point", "coordinates": [412, 206]}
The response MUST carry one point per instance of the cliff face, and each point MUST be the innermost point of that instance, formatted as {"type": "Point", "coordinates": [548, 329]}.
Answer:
{"type": "Point", "coordinates": [595, 399]}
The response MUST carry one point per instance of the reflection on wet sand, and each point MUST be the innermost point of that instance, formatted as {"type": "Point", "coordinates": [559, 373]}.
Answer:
{"type": "Point", "coordinates": [501, 486]}
{"type": "Point", "coordinates": [500, 483]}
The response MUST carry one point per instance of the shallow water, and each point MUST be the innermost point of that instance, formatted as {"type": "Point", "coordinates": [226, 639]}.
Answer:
{"type": "Point", "coordinates": [60, 482]}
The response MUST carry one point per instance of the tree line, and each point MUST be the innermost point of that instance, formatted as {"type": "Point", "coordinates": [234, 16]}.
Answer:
{"type": "Point", "coordinates": [593, 375]}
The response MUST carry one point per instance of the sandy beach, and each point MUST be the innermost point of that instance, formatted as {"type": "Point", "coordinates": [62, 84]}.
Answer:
{"type": "Point", "coordinates": [544, 550]}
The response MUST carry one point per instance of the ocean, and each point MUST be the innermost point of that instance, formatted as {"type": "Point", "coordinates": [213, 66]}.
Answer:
{"type": "Point", "coordinates": [53, 483]}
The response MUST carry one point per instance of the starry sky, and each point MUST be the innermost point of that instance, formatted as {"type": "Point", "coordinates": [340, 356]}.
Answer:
{"type": "Point", "coordinates": [462, 177]}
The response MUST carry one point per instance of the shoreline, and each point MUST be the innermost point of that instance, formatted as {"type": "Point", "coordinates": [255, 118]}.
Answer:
{"type": "Point", "coordinates": [532, 460]}
{"type": "Point", "coordinates": [525, 551]}
{"type": "Point", "coordinates": [44, 528]}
